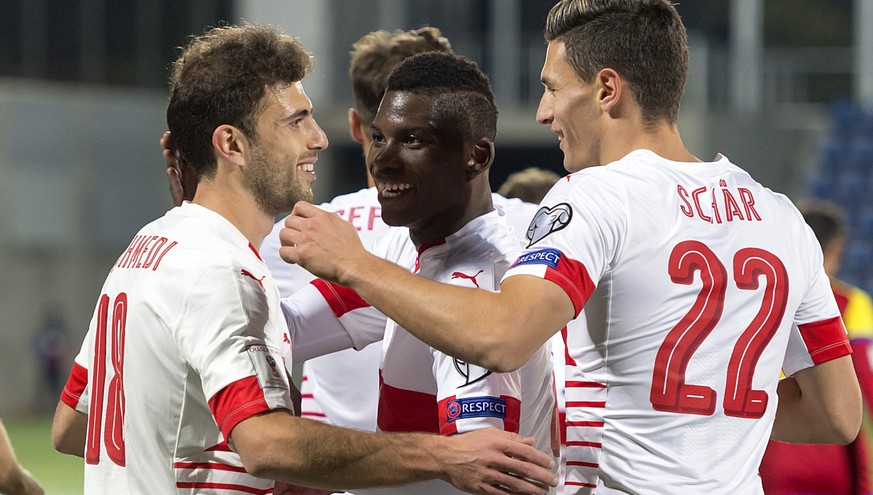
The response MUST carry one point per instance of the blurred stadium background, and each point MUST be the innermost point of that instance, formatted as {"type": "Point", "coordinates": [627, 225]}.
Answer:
{"type": "Point", "coordinates": [782, 87]}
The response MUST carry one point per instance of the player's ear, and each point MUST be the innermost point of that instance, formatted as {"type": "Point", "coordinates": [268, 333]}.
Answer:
{"type": "Point", "coordinates": [230, 144]}
{"type": "Point", "coordinates": [481, 157]}
{"type": "Point", "coordinates": [610, 88]}
{"type": "Point", "coordinates": [356, 126]}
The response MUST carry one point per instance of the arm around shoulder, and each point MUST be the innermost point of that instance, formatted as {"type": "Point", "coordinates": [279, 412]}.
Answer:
{"type": "Point", "coordinates": [819, 404]}
{"type": "Point", "coordinates": [279, 446]}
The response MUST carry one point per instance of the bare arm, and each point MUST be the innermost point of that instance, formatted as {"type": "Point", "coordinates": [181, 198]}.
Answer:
{"type": "Point", "coordinates": [820, 404]}
{"type": "Point", "coordinates": [14, 479]}
{"type": "Point", "coordinates": [498, 331]}
{"type": "Point", "coordinates": [279, 446]}
{"type": "Point", "coordinates": [69, 428]}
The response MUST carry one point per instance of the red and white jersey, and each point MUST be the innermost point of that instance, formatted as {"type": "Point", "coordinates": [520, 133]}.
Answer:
{"type": "Point", "coordinates": [187, 340]}
{"type": "Point", "coordinates": [424, 389]}
{"type": "Point", "coordinates": [699, 285]}
{"type": "Point", "coordinates": [341, 388]}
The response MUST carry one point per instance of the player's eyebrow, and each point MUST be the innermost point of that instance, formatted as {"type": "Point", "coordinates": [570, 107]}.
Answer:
{"type": "Point", "coordinates": [303, 112]}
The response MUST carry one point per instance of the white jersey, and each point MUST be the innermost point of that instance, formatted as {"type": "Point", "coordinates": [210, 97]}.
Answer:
{"type": "Point", "coordinates": [699, 285]}
{"type": "Point", "coordinates": [424, 389]}
{"type": "Point", "coordinates": [187, 340]}
{"type": "Point", "coordinates": [341, 388]}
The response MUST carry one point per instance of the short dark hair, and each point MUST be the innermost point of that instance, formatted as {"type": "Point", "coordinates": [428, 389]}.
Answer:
{"type": "Point", "coordinates": [462, 91]}
{"type": "Point", "coordinates": [825, 218]}
{"type": "Point", "coordinates": [375, 55]}
{"type": "Point", "coordinates": [221, 77]}
{"type": "Point", "coordinates": [643, 40]}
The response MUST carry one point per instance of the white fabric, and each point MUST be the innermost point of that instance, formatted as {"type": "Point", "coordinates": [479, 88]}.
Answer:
{"type": "Point", "coordinates": [201, 318]}
{"type": "Point", "coordinates": [619, 224]}
{"type": "Point", "coordinates": [422, 384]}
{"type": "Point", "coordinates": [341, 388]}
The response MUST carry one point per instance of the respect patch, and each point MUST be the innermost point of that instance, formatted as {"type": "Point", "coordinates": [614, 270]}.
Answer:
{"type": "Point", "coordinates": [548, 256]}
{"type": "Point", "coordinates": [475, 407]}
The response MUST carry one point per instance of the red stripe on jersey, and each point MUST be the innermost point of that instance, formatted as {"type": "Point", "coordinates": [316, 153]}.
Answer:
{"type": "Point", "coordinates": [580, 443]}
{"type": "Point", "coordinates": [406, 410]}
{"type": "Point", "coordinates": [220, 447]}
{"type": "Point", "coordinates": [254, 250]}
{"type": "Point", "coordinates": [240, 400]}
{"type": "Point", "coordinates": [825, 340]}
{"type": "Point", "coordinates": [572, 276]}
{"type": "Point", "coordinates": [225, 486]}
{"type": "Point", "coordinates": [340, 299]}
{"type": "Point", "coordinates": [580, 384]}
{"type": "Point", "coordinates": [583, 464]}
{"type": "Point", "coordinates": [513, 413]}
{"type": "Point", "coordinates": [580, 483]}
{"type": "Point", "coordinates": [76, 383]}
{"type": "Point", "coordinates": [310, 414]}
{"type": "Point", "coordinates": [582, 403]}
{"type": "Point", "coordinates": [209, 465]}
{"type": "Point", "coordinates": [586, 424]}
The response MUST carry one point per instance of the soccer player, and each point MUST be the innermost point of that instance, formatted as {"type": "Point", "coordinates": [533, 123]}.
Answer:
{"type": "Point", "coordinates": [837, 469]}
{"type": "Point", "coordinates": [432, 147]}
{"type": "Point", "coordinates": [182, 385]}
{"type": "Point", "coordinates": [342, 388]}
{"type": "Point", "coordinates": [698, 283]}
{"type": "Point", "coordinates": [14, 479]}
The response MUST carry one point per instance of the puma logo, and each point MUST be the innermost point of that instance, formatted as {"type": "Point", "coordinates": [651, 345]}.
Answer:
{"type": "Point", "coordinates": [260, 281]}
{"type": "Point", "coordinates": [471, 278]}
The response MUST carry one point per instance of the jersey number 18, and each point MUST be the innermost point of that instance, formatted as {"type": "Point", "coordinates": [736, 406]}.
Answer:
{"type": "Point", "coordinates": [113, 435]}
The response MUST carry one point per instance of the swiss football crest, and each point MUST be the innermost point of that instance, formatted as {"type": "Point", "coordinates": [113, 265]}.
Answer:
{"type": "Point", "coordinates": [548, 220]}
{"type": "Point", "coordinates": [470, 372]}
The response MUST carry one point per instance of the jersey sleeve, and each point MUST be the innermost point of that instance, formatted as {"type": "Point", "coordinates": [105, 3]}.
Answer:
{"type": "Point", "coordinates": [76, 391]}
{"type": "Point", "coordinates": [225, 334]}
{"type": "Point", "coordinates": [817, 334]}
{"type": "Point", "coordinates": [575, 236]}
{"type": "Point", "coordinates": [471, 398]}
{"type": "Point", "coordinates": [314, 327]}
{"type": "Point", "coordinates": [362, 322]}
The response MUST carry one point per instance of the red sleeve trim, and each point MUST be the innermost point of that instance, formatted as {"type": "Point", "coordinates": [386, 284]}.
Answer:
{"type": "Point", "coordinates": [236, 402]}
{"type": "Point", "coordinates": [513, 413]}
{"type": "Point", "coordinates": [75, 386]}
{"type": "Point", "coordinates": [340, 299]}
{"type": "Point", "coordinates": [825, 340]}
{"type": "Point", "coordinates": [572, 276]}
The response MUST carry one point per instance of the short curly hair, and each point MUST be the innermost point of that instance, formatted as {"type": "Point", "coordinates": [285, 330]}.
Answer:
{"type": "Point", "coordinates": [463, 92]}
{"type": "Point", "coordinates": [221, 77]}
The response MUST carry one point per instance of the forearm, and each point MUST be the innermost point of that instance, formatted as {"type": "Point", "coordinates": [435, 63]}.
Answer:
{"type": "Point", "coordinates": [69, 429]}
{"type": "Point", "coordinates": [278, 446]}
{"type": "Point", "coordinates": [821, 404]}
{"type": "Point", "coordinates": [469, 324]}
{"type": "Point", "coordinates": [313, 454]}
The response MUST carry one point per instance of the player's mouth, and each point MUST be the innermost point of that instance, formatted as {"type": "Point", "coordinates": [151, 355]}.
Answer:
{"type": "Point", "coordinates": [308, 168]}
{"type": "Point", "coordinates": [392, 190]}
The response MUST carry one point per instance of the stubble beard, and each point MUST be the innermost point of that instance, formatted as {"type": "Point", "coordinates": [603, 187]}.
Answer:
{"type": "Point", "coordinates": [275, 187]}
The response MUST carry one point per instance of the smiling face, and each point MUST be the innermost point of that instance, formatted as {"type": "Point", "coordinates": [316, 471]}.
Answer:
{"type": "Point", "coordinates": [569, 107]}
{"type": "Point", "coordinates": [285, 149]}
{"type": "Point", "coordinates": [418, 160]}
